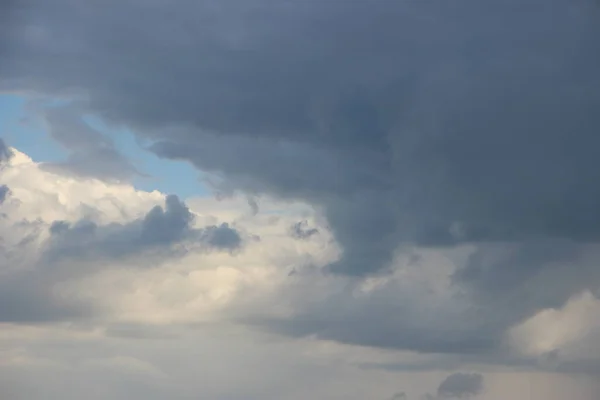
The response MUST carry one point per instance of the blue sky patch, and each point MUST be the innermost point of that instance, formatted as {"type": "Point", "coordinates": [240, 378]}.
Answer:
{"type": "Point", "coordinates": [25, 132]}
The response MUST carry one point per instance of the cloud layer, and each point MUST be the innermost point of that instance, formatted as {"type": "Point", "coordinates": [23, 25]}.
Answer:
{"type": "Point", "coordinates": [416, 132]}
{"type": "Point", "coordinates": [448, 153]}
{"type": "Point", "coordinates": [115, 269]}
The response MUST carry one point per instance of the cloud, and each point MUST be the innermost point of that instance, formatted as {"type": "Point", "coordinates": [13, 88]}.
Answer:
{"type": "Point", "coordinates": [461, 385]}
{"type": "Point", "coordinates": [4, 191]}
{"type": "Point", "coordinates": [222, 237]}
{"type": "Point", "coordinates": [159, 229]}
{"type": "Point", "coordinates": [5, 155]}
{"type": "Point", "coordinates": [90, 227]}
{"type": "Point", "coordinates": [383, 317]}
{"type": "Point", "coordinates": [300, 230]}
{"type": "Point", "coordinates": [466, 129]}
{"type": "Point", "coordinates": [91, 153]}
{"type": "Point", "coordinates": [253, 204]}
{"type": "Point", "coordinates": [141, 321]}
{"type": "Point", "coordinates": [166, 225]}
{"type": "Point", "coordinates": [5, 152]}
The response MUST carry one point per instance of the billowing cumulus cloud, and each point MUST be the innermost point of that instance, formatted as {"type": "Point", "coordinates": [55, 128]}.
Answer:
{"type": "Point", "coordinates": [40, 253]}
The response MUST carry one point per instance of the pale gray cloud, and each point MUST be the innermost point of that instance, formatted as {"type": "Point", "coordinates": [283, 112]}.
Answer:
{"type": "Point", "coordinates": [91, 153]}
{"type": "Point", "coordinates": [461, 385]}
{"type": "Point", "coordinates": [5, 152]}
{"type": "Point", "coordinates": [4, 191]}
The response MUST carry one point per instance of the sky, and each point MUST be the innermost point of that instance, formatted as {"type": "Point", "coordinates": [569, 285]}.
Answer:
{"type": "Point", "coordinates": [25, 126]}
{"type": "Point", "coordinates": [264, 200]}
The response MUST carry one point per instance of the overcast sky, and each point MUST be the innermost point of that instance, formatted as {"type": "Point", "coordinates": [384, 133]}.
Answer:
{"type": "Point", "coordinates": [268, 199]}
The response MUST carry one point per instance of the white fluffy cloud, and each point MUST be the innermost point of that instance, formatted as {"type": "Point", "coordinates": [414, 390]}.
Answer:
{"type": "Point", "coordinates": [203, 321]}
{"type": "Point", "coordinates": [182, 286]}
{"type": "Point", "coordinates": [569, 334]}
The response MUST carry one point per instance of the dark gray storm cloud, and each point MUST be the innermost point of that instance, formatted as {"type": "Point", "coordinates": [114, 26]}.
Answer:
{"type": "Point", "coordinates": [460, 386]}
{"type": "Point", "coordinates": [91, 153]}
{"type": "Point", "coordinates": [520, 278]}
{"type": "Point", "coordinates": [410, 123]}
{"type": "Point", "coordinates": [403, 119]}
{"type": "Point", "coordinates": [391, 318]}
